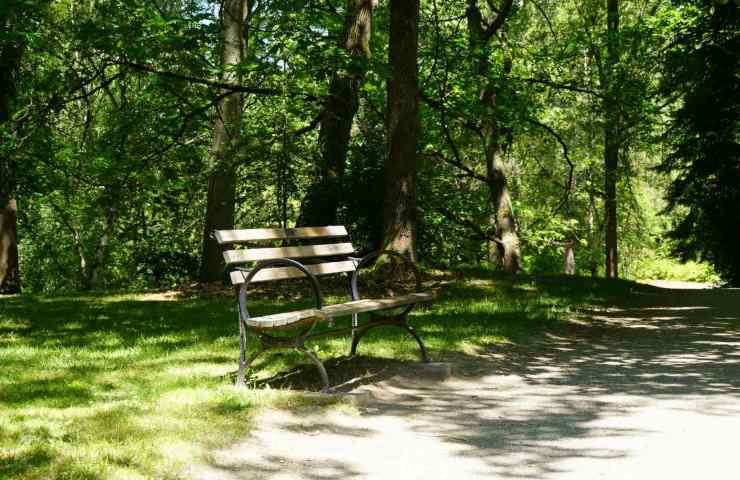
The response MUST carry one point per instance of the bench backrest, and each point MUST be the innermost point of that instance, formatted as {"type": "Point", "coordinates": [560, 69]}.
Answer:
{"type": "Point", "coordinates": [337, 245]}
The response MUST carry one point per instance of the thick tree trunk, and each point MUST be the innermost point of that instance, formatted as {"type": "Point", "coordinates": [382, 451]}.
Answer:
{"type": "Point", "coordinates": [324, 196]}
{"type": "Point", "coordinates": [399, 209]}
{"type": "Point", "coordinates": [611, 140]}
{"type": "Point", "coordinates": [226, 135]}
{"type": "Point", "coordinates": [10, 56]}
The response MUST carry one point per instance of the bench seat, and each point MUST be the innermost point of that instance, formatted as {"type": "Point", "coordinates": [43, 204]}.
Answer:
{"type": "Point", "coordinates": [295, 318]}
{"type": "Point", "coordinates": [305, 253]}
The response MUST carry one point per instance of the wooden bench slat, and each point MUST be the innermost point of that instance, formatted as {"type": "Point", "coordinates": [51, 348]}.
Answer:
{"type": "Point", "coordinates": [232, 257]}
{"type": "Point", "coordinates": [278, 320]}
{"type": "Point", "coordinates": [257, 234]}
{"type": "Point", "coordinates": [371, 304]}
{"type": "Point", "coordinates": [358, 306]}
{"type": "Point", "coordinates": [280, 273]}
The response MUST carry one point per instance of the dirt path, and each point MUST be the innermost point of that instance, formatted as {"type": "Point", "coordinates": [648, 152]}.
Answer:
{"type": "Point", "coordinates": [646, 391]}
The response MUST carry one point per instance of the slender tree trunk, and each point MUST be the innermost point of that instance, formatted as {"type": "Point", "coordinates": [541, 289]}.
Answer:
{"type": "Point", "coordinates": [324, 196]}
{"type": "Point", "coordinates": [226, 135]}
{"type": "Point", "coordinates": [10, 56]}
{"type": "Point", "coordinates": [101, 251]}
{"type": "Point", "coordinates": [611, 156]}
{"type": "Point", "coordinates": [611, 140]}
{"type": "Point", "coordinates": [593, 264]}
{"type": "Point", "coordinates": [399, 210]}
{"type": "Point", "coordinates": [569, 259]}
{"type": "Point", "coordinates": [9, 273]}
{"type": "Point", "coordinates": [90, 271]}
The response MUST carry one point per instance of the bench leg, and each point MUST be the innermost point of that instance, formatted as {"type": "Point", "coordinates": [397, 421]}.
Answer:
{"type": "Point", "coordinates": [355, 335]}
{"type": "Point", "coordinates": [320, 366]}
{"type": "Point", "coordinates": [353, 345]}
{"type": "Point", "coordinates": [244, 363]}
{"type": "Point", "coordinates": [240, 376]}
{"type": "Point", "coordinates": [241, 380]}
{"type": "Point", "coordinates": [376, 321]}
{"type": "Point", "coordinates": [422, 348]}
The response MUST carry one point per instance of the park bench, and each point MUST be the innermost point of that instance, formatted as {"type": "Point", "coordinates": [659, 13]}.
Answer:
{"type": "Point", "coordinates": [322, 251]}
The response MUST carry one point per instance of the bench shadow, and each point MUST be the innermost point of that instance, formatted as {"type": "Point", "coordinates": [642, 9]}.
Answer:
{"type": "Point", "coordinates": [345, 374]}
{"type": "Point", "coordinates": [532, 409]}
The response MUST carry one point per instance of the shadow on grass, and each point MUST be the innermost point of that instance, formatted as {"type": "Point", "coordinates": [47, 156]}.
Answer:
{"type": "Point", "coordinates": [30, 459]}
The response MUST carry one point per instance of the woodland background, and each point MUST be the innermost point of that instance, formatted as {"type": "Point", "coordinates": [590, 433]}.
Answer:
{"type": "Point", "coordinates": [495, 134]}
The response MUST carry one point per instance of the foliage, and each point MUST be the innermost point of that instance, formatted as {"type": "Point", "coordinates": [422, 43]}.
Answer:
{"type": "Point", "coordinates": [114, 117]}
{"type": "Point", "coordinates": [665, 267]}
{"type": "Point", "coordinates": [701, 65]}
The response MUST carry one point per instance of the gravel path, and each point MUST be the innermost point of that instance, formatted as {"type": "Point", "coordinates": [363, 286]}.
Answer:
{"type": "Point", "coordinates": [649, 390]}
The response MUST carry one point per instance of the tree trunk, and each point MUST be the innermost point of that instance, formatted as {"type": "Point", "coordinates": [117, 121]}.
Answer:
{"type": "Point", "coordinates": [569, 259]}
{"type": "Point", "coordinates": [593, 264]}
{"type": "Point", "coordinates": [324, 196]}
{"type": "Point", "coordinates": [399, 209]}
{"type": "Point", "coordinates": [611, 140]}
{"type": "Point", "coordinates": [506, 252]}
{"type": "Point", "coordinates": [101, 250]}
{"type": "Point", "coordinates": [226, 135]}
{"type": "Point", "coordinates": [508, 247]}
{"type": "Point", "coordinates": [10, 56]}
{"type": "Point", "coordinates": [611, 155]}
{"type": "Point", "coordinates": [9, 276]}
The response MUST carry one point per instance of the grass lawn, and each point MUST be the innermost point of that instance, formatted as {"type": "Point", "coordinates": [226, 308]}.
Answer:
{"type": "Point", "coordinates": [137, 385]}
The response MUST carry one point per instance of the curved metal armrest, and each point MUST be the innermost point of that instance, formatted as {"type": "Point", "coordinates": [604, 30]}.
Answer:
{"type": "Point", "coordinates": [374, 255]}
{"type": "Point", "coordinates": [244, 313]}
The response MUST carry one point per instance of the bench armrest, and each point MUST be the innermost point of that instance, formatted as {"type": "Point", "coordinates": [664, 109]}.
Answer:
{"type": "Point", "coordinates": [289, 262]}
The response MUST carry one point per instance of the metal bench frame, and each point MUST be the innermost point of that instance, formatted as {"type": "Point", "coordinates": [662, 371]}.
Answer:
{"type": "Point", "coordinates": [305, 328]}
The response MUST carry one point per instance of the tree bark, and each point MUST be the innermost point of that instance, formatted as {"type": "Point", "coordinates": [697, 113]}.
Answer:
{"type": "Point", "coordinates": [593, 264]}
{"type": "Point", "coordinates": [323, 198]}
{"type": "Point", "coordinates": [569, 259]}
{"type": "Point", "coordinates": [101, 250]}
{"type": "Point", "coordinates": [226, 134]}
{"type": "Point", "coordinates": [9, 271]}
{"type": "Point", "coordinates": [10, 56]}
{"type": "Point", "coordinates": [611, 140]}
{"type": "Point", "coordinates": [507, 252]}
{"type": "Point", "coordinates": [399, 208]}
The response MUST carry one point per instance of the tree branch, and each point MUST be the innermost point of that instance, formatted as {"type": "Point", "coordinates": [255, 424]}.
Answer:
{"type": "Point", "coordinates": [455, 163]}
{"type": "Point", "coordinates": [230, 87]}
{"type": "Point", "coordinates": [560, 86]}
{"type": "Point", "coordinates": [439, 106]}
{"type": "Point", "coordinates": [465, 222]}
{"type": "Point", "coordinates": [183, 128]}
{"type": "Point", "coordinates": [498, 22]}
{"type": "Point", "coordinates": [313, 124]}
{"type": "Point", "coordinates": [571, 166]}
{"type": "Point", "coordinates": [458, 159]}
{"type": "Point", "coordinates": [544, 15]}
